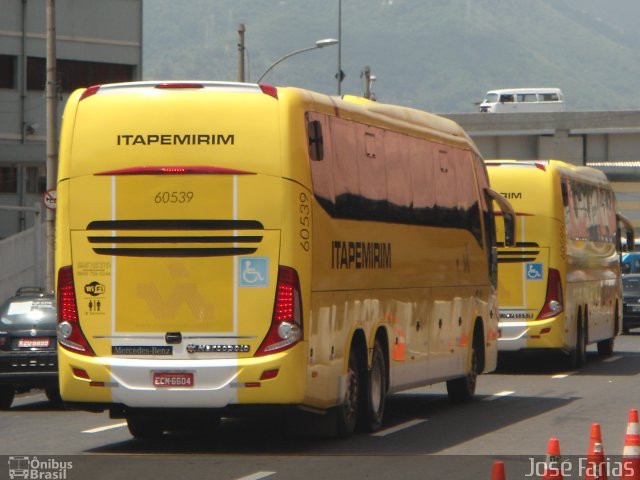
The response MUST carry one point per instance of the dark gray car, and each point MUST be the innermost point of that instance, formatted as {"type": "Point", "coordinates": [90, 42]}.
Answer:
{"type": "Point", "coordinates": [631, 301]}
{"type": "Point", "coordinates": [28, 355]}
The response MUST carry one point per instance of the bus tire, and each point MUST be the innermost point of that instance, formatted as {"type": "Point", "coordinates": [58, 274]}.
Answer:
{"type": "Point", "coordinates": [578, 357]}
{"type": "Point", "coordinates": [376, 391]}
{"type": "Point", "coordinates": [145, 427]}
{"type": "Point", "coordinates": [462, 390]}
{"type": "Point", "coordinates": [53, 395]}
{"type": "Point", "coordinates": [7, 393]}
{"type": "Point", "coordinates": [347, 413]}
{"type": "Point", "coordinates": [605, 347]}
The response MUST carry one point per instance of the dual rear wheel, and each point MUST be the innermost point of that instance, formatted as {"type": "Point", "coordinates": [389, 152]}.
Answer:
{"type": "Point", "coordinates": [366, 393]}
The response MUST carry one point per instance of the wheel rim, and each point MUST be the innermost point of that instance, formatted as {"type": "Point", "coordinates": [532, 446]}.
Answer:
{"type": "Point", "coordinates": [473, 374]}
{"type": "Point", "coordinates": [350, 407]}
{"type": "Point", "coordinates": [377, 383]}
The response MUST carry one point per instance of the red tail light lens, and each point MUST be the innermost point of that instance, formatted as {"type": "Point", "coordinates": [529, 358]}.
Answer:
{"type": "Point", "coordinates": [70, 334]}
{"type": "Point", "coordinates": [286, 323]}
{"type": "Point", "coordinates": [90, 91]}
{"type": "Point", "coordinates": [269, 90]}
{"type": "Point", "coordinates": [553, 302]}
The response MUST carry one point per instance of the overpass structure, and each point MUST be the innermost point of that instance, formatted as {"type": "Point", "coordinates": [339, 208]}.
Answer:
{"type": "Point", "coordinates": [607, 140]}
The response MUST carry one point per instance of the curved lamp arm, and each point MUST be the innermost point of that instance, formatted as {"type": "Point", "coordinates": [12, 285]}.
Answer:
{"type": "Point", "coordinates": [319, 44]}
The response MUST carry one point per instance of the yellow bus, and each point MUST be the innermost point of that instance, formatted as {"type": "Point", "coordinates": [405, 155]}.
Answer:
{"type": "Point", "coordinates": [560, 288]}
{"type": "Point", "coordinates": [225, 247]}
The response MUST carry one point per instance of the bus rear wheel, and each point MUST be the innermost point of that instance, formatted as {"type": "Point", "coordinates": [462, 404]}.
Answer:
{"type": "Point", "coordinates": [376, 392]}
{"type": "Point", "coordinates": [145, 427]}
{"type": "Point", "coordinates": [605, 347]}
{"type": "Point", "coordinates": [461, 390]}
{"type": "Point", "coordinates": [578, 357]}
{"type": "Point", "coordinates": [7, 393]}
{"type": "Point", "coordinates": [347, 413]}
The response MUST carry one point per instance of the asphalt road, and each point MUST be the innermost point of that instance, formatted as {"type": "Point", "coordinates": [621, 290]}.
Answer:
{"type": "Point", "coordinates": [517, 410]}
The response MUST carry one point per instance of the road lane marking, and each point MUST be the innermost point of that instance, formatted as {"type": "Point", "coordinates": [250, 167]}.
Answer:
{"type": "Point", "coordinates": [257, 476]}
{"type": "Point", "coordinates": [613, 359]}
{"type": "Point", "coordinates": [397, 428]}
{"type": "Point", "coordinates": [105, 428]}
{"type": "Point", "coordinates": [498, 395]}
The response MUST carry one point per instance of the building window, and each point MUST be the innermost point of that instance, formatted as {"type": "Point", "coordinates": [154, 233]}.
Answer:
{"type": "Point", "coordinates": [8, 180]}
{"type": "Point", "coordinates": [36, 179]}
{"type": "Point", "coordinates": [7, 71]}
{"type": "Point", "coordinates": [74, 74]}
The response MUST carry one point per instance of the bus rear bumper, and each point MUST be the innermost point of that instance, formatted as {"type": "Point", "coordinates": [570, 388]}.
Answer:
{"type": "Point", "coordinates": [540, 334]}
{"type": "Point", "coordinates": [513, 336]}
{"type": "Point", "coordinates": [188, 384]}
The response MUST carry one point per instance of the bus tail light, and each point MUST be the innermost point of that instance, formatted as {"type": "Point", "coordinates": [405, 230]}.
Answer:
{"type": "Point", "coordinates": [269, 90]}
{"type": "Point", "coordinates": [90, 91]}
{"type": "Point", "coordinates": [70, 334]}
{"type": "Point", "coordinates": [286, 323]}
{"type": "Point", "coordinates": [553, 301]}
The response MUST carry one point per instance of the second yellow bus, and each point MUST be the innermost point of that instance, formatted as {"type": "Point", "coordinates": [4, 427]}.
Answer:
{"type": "Point", "coordinates": [560, 288]}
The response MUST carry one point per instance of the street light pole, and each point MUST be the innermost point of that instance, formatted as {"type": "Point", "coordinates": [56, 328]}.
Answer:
{"type": "Point", "coordinates": [339, 75]}
{"type": "Point", "coordinates": [241, 31]}
{"type": "Point", "coordinates": [319, 44]}
{"type": "Point", "coordinates": [52, 134]}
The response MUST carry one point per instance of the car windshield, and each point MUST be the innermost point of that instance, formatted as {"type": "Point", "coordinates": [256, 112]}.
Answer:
{"type": "Point", "coordinates": [631, 263]}
{"type": "Point", "coordinates": [492, 98]}
{"type": "Point", "coordinates": [631, 285]}
{"type": "Point", "coordinates": [28, 311]}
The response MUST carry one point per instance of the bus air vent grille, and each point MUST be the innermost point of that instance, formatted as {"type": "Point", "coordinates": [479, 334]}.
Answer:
{"type": "Point", "coordinates": [523, 252]}
{"type": "Point", "coordinates": [175, 238]}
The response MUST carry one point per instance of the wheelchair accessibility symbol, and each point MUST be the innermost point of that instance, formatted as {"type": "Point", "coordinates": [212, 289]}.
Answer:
{"type": "Point", "coordinates": [254, 272]}
{"type": "Point", "coordinates": [534, 271]}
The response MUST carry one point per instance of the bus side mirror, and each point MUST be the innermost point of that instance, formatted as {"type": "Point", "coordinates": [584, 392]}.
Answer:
{"type": "Point", "coordinates": [316, 143]}
{"type": "Point", "coordinates": [508, 216]}
{"type": "Point", "coordinates": [629, 233]}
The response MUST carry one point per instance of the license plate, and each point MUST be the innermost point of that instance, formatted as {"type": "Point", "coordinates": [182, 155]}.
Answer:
{"type": "Point", "coordinates": [34, 342]}
{"type": "Point", "coordinates": [173, 379]}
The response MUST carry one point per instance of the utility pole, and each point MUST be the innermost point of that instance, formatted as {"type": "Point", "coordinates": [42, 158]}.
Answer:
{"type": "Point", "coordinates": [52, 135]}
{"type": "Point", "coordinates": [241, 31]}
{"type": "Point", "coordinates": [340, 75]}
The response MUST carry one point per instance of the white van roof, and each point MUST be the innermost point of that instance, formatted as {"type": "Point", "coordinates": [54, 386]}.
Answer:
{"type": "Point", "coordinates": [528, 90]}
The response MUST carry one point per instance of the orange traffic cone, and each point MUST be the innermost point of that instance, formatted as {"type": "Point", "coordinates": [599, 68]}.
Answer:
{"type": "Point", "coordinates": [552, 468]}
{"type": "Point", "coordinates": [631, 451]}
{"type": "Point", "coordinates": [497, 472]}
{"type": "Point", "coordinates": [596, 463]}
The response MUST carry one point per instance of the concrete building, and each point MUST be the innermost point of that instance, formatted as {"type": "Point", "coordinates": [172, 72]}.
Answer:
{"type": "Point", "coordinates": [607, 140]}
{"type": "Point", "coordinates": [98, 41]}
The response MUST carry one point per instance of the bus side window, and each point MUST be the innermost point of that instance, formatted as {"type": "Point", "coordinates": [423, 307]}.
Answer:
{"type": "Point", "coordinates": [316, 145]}
{"type": "Point", "coordinates": [565, 193]}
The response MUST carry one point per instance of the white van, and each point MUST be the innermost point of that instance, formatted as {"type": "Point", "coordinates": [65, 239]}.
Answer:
{"type": "Point", "coordinates": [523, 100]}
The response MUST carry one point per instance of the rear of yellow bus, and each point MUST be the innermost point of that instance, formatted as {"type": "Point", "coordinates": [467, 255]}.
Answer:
{"type": "Point", "coordinates": [530, 275]}
{"type": "Point", "coordinates": [179, 272]}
